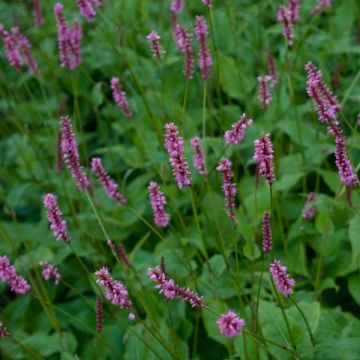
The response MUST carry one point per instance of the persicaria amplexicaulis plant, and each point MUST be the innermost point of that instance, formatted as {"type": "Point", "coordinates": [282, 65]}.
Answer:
{"type": "Point", "coordinates": [236, 134]}
{"type": "Point", "coordinates": [183, 42]}
{"type": "Point", "coordinates": [309, 210]}
{"type": "Point", "coordinates": [266, 233]}
{"type": "Point", "coordinates": [120, 97]}
{"type": "Point", "coordinates": [198, 158]}
{"type": "Point", "coordinates": [158, 201]}
{"type": "Point", "coordinates": [99, 315]}
{"type": "Point", "coordinates": [176, 6]}
{"type": "Point", "coordinates": [207, 2]}
{"type": "Point", "coordinates": [37, 13]}
{"type": "Point", "coordinates": [293, 9]}
{"type": "Point", "coordinates": [49, 271]}
{"type": "Point", "coordinates": [282, 280]}
{"type": "Point", "coordinates": [88, 8]}
{"type": "Point", "coordinates": [230, 324]}
{"type": "Point", "coordinates": [205, 60]}
{"type": "Point", "coordinates": [272, 70]}
{"type": "Point", "coordinates": [283, 16]}
{"type": "Point", "coordinates": [321, 4]}
{"type": "Point", "coordinates": [264, 91]}
{"type": "Point", "coordinates": [154, 41]}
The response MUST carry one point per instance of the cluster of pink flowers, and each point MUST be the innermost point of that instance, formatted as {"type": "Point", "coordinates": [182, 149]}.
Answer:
{"type": "Point", "coordinates": [205, 60]}
{"type": "Point", "coordinates": [8, 274]}
{"type": "Point", "coordinates": [282, 280]}
{"type": "Point", "coordinates": [294, 8]}
{"type": "Point", "coordinates": [321, 4]}
{"type": "Point", "coordinates": [264, 91]}
{"type": "Point", "coordinates": [174, 145]}
{"type": "Point", "coordinates": [69, 39]}
{"type": "Point", "coordinates": [266, 233]}
{"type": "Point", "coordinates": [88, 8]}
{"type": "Point", "coordinates": [236, 134]}
{"type": "Point", "coordinates": [49, 271]}
{"type": "Point", "coordinates": [154, 41]}
{"type": "Point", "coordinates": [229, 188]}
{"type": "Point", "coordinates": [198, 158]}
{"type": "Point", "coordinates": [115, 291]}
{"type": "Point", "coordinates": [264, 156]}
{"type": "Point", "coordinates": [183, 42]}
{"type": "Point", "coordinates": [309, 210]}
{"type": "Point", "coordinates": [272, 70]}
{"type": "Point", "coordinates": [285, 15]}
{"type": "Point", "coordinates": [70, 153]}
{"type": "Point", "coordinates": [170, 289]}
{"type": "Point", "coordinates": [230, 324]}
{"type": "Point", "coordinates": [37, 13]}
{"type": "Point", "coordinates": [120, 97]}
{"type": "Point", "coordinates": [16, 44]}
{"type": "Point", "coordinates": [158, 202]}
{"type": "Point", "coordinates": [176, 6]}
{"type": "Point", "coordinates": [3, 330]}
{"type": "Point", "coordinates": [109, 185]}
{"type": "Point", "coordinates": [54, 214]}
{"type": "Point", "coordinates": [207, 2]}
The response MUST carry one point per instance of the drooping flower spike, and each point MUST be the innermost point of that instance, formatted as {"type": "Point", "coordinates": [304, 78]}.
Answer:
{"type": "Point", "coordinates": [158, 202]}
{"type": "Point", "coordinates": [154, 41]}
{"type": "Point", "coordinates": [230, 324]}
{"type": "Point", "coordinates": [283, 16]}
{"type": "Point", "coordinates": [49, 271]}
{"type": "Point", "coordinates": [109, 185]}
{"type": "Point", "coordinates": [236, 134]}
{"type": "Point", "coordinates": [8, 275]}
{"type": "Point", "coordinates": [183, 42]}
{"type": "Point", "coordinates": [309, 210]}
{"type": "Point", "coordinates": [174, 145]}
{"type": "Point", "coordinates": [198, 158]}
{"type": "Point", "coordinates": [205, 60]}
{"type": "Point", "coordinates": [266, 233]}
{"type": "Point", "coordinates": [282, 280]}
{"type": "Point", "coordinates": [88, 8]}
{"type": "Point", "coordinates": [321, 5]}
{"type": "Point", "coordinates": [120, 97]}
{"type": "Point", "coordinates": [264, 91]}
{"type": "Point", "coordinates": [54, 214]}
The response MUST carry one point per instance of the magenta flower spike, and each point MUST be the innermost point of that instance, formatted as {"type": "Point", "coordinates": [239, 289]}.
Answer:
{"type": "Point", "coordinates": [283, 16]}
{"type": "Point", "coordinates": [49, 271]}
{"type": "Point", "coordinates": [3, 330]}
{"type": "Point", "coordinates": [207, 2]}
{"type": "Point", "coordinates": [69, 40]}
{"type": "Point", "coordinates": [88, 8]}
{"type": "Point", "coordinates": [158, 202]}
{"type": "Point", "coordinates": [205, 60]}
{"type": "Point", "coordinates": [230, 324]}
{"type": "Point", "coordinates": [321, 5]}
{"type": "Point", "coordinates": [198, 158]}
{"type": "Point", "coordinates": [109, 185]}
{"type": "Point", "coordinates": [9, 276]}
{"type": "Point", "coordinates": [99, 315]}
{"type": "Point", "coordinates": [54, 214]}
{"type": "Point", "coordinates": [177, 6]}
{"type": "Point", "coordinates": [229, 188]}
{"type": "Point", "coordinates": [282, 280]}
{"type": "Point", "coordinates": [37, 13]}
{"type": "Point", "coordinates": [272, 70]}
{"type": "Point", "coordinates": [183, 42]}
{"type": "Point", "coordinates": [264, 156]}
{"type": "Point", "coordinates": [266, 233]}
{"type": "Point", "coordinates": [171, 290]}
{"type": "Point", "coordinates": [264, 91]}
{"type": "Point", "coordinates": [236, 134]}
{"type": "Point", "coordinates": [70, 153]}
{"type": "Point", "coordinates": [308, 212]}
{"type": "Point", "coordinates": [174, 145]}
{"type": "Point", "coordinates": [11, 49]}
{"type": "Point", "coordinates": [115, 291]}
{"type": "Point", "coordinates": [293, 9]}
{"type": "Point", "coordinates": [120, 97]}
{"type": "Point", "coordinates": [154, 41]}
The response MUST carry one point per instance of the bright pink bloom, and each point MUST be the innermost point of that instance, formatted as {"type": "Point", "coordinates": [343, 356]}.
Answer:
{"type": "Point", "coordinates": [321, 4]}
{"type": "Point", "coordinates": [230, 324]}
{"type": "Point", "coordinates": [207, 2]}
{"type": "Point", "coordinates": [198, 158]}
{"type": "Point", "coordinates": [154, 40]}
{"type": "Point", "coordinates": [131, 316]}
{"type": "Point", "coordinates": [177, 6]}
{"type": "Point", "coordinates": [266, 233]}
{"type": "Point", "coordinates": [264, 91]}
{"type": "Point", "coordinates": [264, 156]}
{"type": "Point", "coordinates": [236, 134]}
{"type": "Point", "coordinates": [272, 70]}
{"type": "Point", "coordinates": [109, 185]}
{"type": "Point", "coordinates": [54, 214]}
{"type": "Point", "coordinates": [174, 145]}
{"type": "Point", "coordinates": [229, 188]}
{"type": "Point", "coordinates": [205, 60]}
{"type": "Point", "coordinates": [283, 17]}
{"type": "Point", "coordinates": [49, 271]}
{"type": "Point", "coordinates": [120, 97]}
{"type": "Point", "coordinates": [309, 210]}
{"type": "Point", "coordinates": [37, 13]}
{"type": "Point", "coordinates": [69, 39]}
{"type": "Point", "coordinates": [282, 280]}
{"type": "Point", "coordinates": [183, 41]}
{"type": "Point", "coordinates": [70, 152]}
{"type": "Point", "coordinates": [88, 8]}
{"type": "Point", "coordinates": [99, 315]}
{"type": "Point", "coordinates": [8, 274]}
{"type": "Point", "coordinates": [115, 291]}
{"type": "Point", "coordinates": [294, 8]}
{"type": "Point", "coordinates": [3, 330]}
{"type": "Point", "coordinates": [11, 49]}
{"type": "Point", "coordinates": [158, 201]}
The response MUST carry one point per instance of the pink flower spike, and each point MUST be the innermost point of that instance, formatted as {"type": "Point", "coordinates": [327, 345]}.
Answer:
{"type": "Point", "coordinates": [3, 330]}
{"type": "Point", "coordinates": [88, 8]}
{"type": "Point", "coordinates": [321, 4]}
{"type": "Point", "coordinates": [264, 91]}
{"type": "Point", "coordinates": [272, 70]}
{"type": "Point", "coordinates": [158, 201]}
{"type": "Point", "coordinates": [294, 8]}
{"type": "Point", "coordinates": [207, 2]}
{"type": "Point", "coordinates": [266, 233]}
{"type": "Point", "coordinates": [174, 145]}
{"type": "Point", "coordinates": [11, 49]}
{"type": "Point", "coordinates": [109, 185]}
{"type": "Point", "coordinates": [183, 42]}
{"type": "Point", "coordinates": [176, 6]}
{"type": "Point", "coordinates": [120, 97]}
{"type": "Point", "coordinates": [198, 158]}
{"type": "Point", "coordinates": [49, 271]}
{"type": "Point", "coordinates": [37, 13]}
{"type": "Point", "coordinates": [99, 315]}
{"type": "Point", "coordinates": [283, 17]}
{"type": "Point", "coordinates": [309, 210]}
{"type": "Point", "coordinates": [236, 134]}
{"type": "Point", "coordinates": [230, 324]}
{"type": "Point", "coordinates": [264, 156]}
{"type": "Point", "coordinates": [54, 214]}
{"type": "Point", "coordinates": [205, 60]}
{"type": "Point", "coordinates": [229, 188]}
{"type": "Point", "coordinates": [70, 153]}
{"type": "Point", "coordinates": [154, 41]}
{"type": "Point", "coordinates": [282, 280]}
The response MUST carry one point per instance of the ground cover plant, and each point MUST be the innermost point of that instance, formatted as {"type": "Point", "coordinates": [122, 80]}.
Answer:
{"type": "Point", "coordinates": [179, 179]}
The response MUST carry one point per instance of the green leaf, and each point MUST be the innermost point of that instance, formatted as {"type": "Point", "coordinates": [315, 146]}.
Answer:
{"type": "Point", "coordinates": [354, 287]}
{"type": "Point", "coordinates": [354, 235]}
